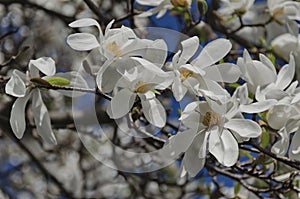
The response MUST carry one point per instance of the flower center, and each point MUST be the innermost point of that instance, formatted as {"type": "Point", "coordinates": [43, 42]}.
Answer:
{"type": "Point", "coordinates": [185, 73]}
{"type": "Point", "coordinates": [211, 118]}
{"type": "Point", "coordinates": [141, 87]}
{"type": "Point", "coordinates": [278, 12]}
{"type": "Point", "coordinates": [183, 3]}
{"type": "Point", "coordinates": [114, 48]}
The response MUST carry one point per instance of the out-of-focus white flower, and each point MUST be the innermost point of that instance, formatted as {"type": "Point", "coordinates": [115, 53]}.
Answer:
{"type": "Point", "coordinates": [230, 7]}
{"type": "Point", "coordinates": [282, 10]}
{"type": "Point", "coordinates": [209, 126]}
{"type": "Point", "coordinates": [141, 83]}
{"type": "Point", "coordinates": [285, 44]}
{"type": "Point", "coordinates": [161, 6]}
{"type": "Point", "coordinates": [19, 86]}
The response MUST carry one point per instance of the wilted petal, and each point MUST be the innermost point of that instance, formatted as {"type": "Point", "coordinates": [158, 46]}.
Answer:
{"type": "Point", "coordinates": [16, 85]}
{"type": "Point", "coordinates": [286, 74]}
{"type": "Point", "coordinates": [194, 158]}
{"type": "Point", "coordinates": [281, 146]}
{"type": "Point", "coordinates": [178, 143]}
{"type": "Point", "coordinates": [224, 147]}
{"type": "Point", "coordinates": [121, 103]}
{"type": "Point", "coordinates": [212, 52]}
{"type": "Point", "coordinates": [225, 72]}
{"type": "Point", "coordinates": [294, 152]}
{"type": "Point", "coordinates": [257, 107]}
{"type": "Point", "coordinates": [154, 112]}
{"type": "Point", "coordinates": [42, 118]}
{"type": "Point", "coordinates": [244, 127]}
{"type": "Point", "coordinates": [17, 116]}
{"type": "Point", "coordinates": [44, 64]}
{"type": "Point", "coordinates": [82, 41]}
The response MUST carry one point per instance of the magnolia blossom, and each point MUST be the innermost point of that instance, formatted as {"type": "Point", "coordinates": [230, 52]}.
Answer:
{"type": "Point", "coordinates": [113, 50]}
{"type": "Point", "coordinates": [282, 10]}
{"type": "Point", "coordinates": [202, 73]}
{"type": "Point", "coordinates": [161, 6]}
{"type": "Point", "coordinates": [20, 86]}
{"type": "Point", "coordinates": [229, 7]}
{"type": "Point", "coordinates": [211, 128]}
{"type": "Point", "coordinates": [141, 83]}
{"type": "Point", "coordinates": [256, 73]}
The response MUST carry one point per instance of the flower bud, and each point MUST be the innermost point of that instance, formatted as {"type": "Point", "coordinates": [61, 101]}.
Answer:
{"type": "Point", "coordinates": [202, 7]}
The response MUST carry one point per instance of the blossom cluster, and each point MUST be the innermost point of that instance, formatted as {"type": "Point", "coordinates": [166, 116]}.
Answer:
{"type": "Point", "coordinates": [134, 71]}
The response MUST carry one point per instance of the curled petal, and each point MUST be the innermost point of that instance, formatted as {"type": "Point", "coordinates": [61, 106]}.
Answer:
{"type": "Point", "coordinates": [44, 64]}
{"type": "Point", "coordinates": [281, 146]}
{"type": "Point", "coordinates": [16, 85]}
{"type": "Point", "coordinates": [294, 152]}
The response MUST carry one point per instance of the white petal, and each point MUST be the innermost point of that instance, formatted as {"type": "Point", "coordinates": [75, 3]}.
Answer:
{"type": "Point", "coordinates": [149, 66]}
{"type": "Point", "coordinates": [244, 127]}
{"type": "Point", "coordinates": [189, 48]}
{"type": "Point", "coordinates": [194, 158]}
{"type": "Point", "coordinates": [294, 152]}
{"type": "Point", "coordinates": [286, 74]}
{"type": "Point", "coordinates": [212, 52]}
{"type": "Point", "coordinates": [178, 143]}
{"type": "Point", "coordinates": [121, 103]}
{"type": "Point", "coordinates": [266, 61]}
{"type": "Point", "coordinates": [224, 147]}
{"type": "Point", "coordinates": [16, 86]}
{"type": "Point", "coordinates": [278, 115]}
{"type": "Point", "coordinates": [17, 116]}
{"type": "Point", "coordinates": [154, 112]}
{"type": "Point", "coordinates": [85, 22]}
{"type": "Point", "coordinates": [242, 93]}
{"type": "Point", "coordinates": [281, 146]}
{"type": "Point", "coordinates": [82, 41]}
{"type": "Point", "coordinates": [179, 90]}
{"type": "Point", "coordinates": [225, 72]}
{"type": "Point", "coordinates": [44, 64]}
{"type": "Point", "coordinates": [42, 118]}
{"type": "Point", "coordinates": [257, 107]}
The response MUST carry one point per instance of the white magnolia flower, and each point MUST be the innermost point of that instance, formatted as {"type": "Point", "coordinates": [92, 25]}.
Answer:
{"type": "Point", "coordinates": [286, 44]}
{"type": "Point", "coordinates": [19, 86]}
{"type": "Point", "coordinates": [204, 69]}
{"type": "Point", "coordinates": [230, 7]}
{"type": "Point", "coordinates": [209, 126]}
{"type": "Point", "coordinates": [184, 79]}
{"type": "Point", "coordinates": [161, 6]}
{"type": "Point", "coordinates": [246, 104]}
{"type": "Point", "coordinates": [282, 10]}
{"type": "Point", "coordinates": [111, 53]}
{"type": "Point", "coordinates": [141, 83]}
{"type": "Point", "coordinates": [256, 73]}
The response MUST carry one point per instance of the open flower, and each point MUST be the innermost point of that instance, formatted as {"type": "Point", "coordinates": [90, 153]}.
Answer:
{"type": "Point", "coordinates": [142, 83]}
{"type": "Point", "coordinates": [209, 127]}
{"type": "Point", "coordinates": [111, 52]}
{"type": "Point", "coordinates": [230, 7]}
{"type": "Point", "coordinates": [20, 86]}
{"type": "Point", "coordinates": [202, 74]}
{"type": "Point", "coordinates": [282, 10]}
